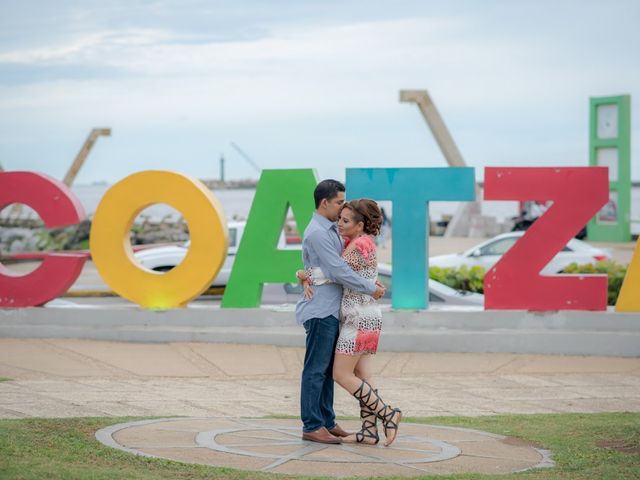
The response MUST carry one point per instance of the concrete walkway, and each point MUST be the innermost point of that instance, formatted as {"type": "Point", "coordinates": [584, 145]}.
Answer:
{"type": "Point", "coordinates": [71, 378]}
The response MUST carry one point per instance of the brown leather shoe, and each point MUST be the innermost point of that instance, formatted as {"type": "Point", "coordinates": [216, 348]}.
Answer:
{"type": "Point", "coordinates": [321, 435]}
{"type": "Point", "coordinates": [337, 431]}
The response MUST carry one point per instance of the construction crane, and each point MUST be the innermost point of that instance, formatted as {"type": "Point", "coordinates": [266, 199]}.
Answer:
{"type": "Point", "coordinates": [436, 124]}
{"type": "Point", "coordinates": [460, 223]}
{"type": "Point", "coordinates": [16, 210]}
{"type": "Point", "coordinates": [83, 153]}
{"type": "Point", "coordinates": [246, 157]}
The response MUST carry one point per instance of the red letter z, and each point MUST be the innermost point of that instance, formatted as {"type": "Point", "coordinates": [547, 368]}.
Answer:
{"type": "Point", "coordinates": [515, 283]}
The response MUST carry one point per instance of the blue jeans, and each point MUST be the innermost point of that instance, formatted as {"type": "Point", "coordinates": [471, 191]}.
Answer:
{"type": "Point", "coordinates": [316, 396]}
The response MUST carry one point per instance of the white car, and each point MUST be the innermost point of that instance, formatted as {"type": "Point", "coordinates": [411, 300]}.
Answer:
{"type": "Point", "coordinates": [163, 259]}
{"type": "Point", "coordinates": [488, 253]}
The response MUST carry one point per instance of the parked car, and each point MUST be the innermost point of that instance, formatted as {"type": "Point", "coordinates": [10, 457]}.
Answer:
{"type": "Point", "coordinates": [162, 259]}
{"type": "Point", "coordinates": [488, 253]}
{"type": "Point", "coordinates": [439, 293]}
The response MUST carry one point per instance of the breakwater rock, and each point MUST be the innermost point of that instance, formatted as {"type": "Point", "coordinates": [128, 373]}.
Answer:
{"type": "Point", "coordinates": [19, 238]}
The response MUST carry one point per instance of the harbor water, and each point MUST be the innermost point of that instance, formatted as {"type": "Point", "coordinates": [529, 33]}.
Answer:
{"type": "Point", "coordinates": [236, 204]}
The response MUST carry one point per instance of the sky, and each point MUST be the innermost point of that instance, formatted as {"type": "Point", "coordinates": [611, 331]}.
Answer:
{"type": "Point", "coordinates": [307, 84]}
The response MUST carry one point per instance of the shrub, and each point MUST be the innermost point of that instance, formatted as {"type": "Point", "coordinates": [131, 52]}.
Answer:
{"type": "Point", "coordinates": [472, 279]}
{"type": "Point", "coordinates": [615, 275]}
{"type": "Point", "coordinates": [463, 278]}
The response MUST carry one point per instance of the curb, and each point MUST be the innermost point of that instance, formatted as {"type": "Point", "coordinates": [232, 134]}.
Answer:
{"type": "Point", "coordinates": [548, 333]}
{"type": "Point", "coordinates": [111, 293]}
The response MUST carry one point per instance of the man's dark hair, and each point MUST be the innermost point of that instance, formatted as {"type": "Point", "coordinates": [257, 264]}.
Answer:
{"type": "Point", "coordinates": [327, 189]}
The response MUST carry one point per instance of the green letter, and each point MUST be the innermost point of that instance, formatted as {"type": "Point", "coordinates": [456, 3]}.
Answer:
{"type": "Point", "coordinates": [258, 260]}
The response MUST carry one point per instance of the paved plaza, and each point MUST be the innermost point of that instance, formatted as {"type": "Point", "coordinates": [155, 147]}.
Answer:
{"type": "Point", "coordinates": [223, 392]}
{"type": "Point", "coordinates": [274, 445]}
{"type": "Point", "coordinates": [74, 378]}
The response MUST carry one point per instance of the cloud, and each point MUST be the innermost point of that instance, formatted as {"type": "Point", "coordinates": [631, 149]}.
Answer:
{"type": "Point", "coordinates": [357, 66]}
{"type": "Point", "coordinates": [505, 78]}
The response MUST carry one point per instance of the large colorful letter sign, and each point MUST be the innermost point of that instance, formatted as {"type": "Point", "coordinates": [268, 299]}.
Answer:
{"type": "Point", "coordinates": [258, 260]}
{"type": "Point", "coordinates": [57, 207]}
{"type": "Point", "coordinates": [111, 247]}
{"type": "Point", "coordinates": [515, 281]}
{"type": "Point", "coordinates": [410, 190]}
{"type": "Point", "coordinates": [629, 297]}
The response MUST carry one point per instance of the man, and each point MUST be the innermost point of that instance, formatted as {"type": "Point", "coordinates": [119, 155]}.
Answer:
{"type": "Point", "coordinates": [322, 247]}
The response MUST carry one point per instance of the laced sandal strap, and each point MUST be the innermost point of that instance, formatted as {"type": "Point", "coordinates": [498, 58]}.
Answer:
{"type": "Point", "coordinates": [368, 406]}
{"type": "Point", "coordinates": [365, 412]}
{"type": "Point", "coordinates": [366, 432]}
{"type": "Point", "coordinates": [372, 405]}
{"type": "Point", "coordinates": [365, 398]}
{"type": "Point", "coordinates": [387, 418]}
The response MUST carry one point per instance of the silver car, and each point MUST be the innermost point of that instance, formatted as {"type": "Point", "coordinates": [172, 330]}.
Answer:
{"type": "Point", "coordinates": [438, 293]}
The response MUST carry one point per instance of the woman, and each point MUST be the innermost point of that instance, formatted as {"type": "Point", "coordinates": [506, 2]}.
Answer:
{"type": "Point", "coordinates": [360, 322]}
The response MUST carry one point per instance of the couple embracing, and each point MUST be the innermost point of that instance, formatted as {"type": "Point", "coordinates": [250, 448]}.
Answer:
{"type": "Point", "coordinates": [341, 318]}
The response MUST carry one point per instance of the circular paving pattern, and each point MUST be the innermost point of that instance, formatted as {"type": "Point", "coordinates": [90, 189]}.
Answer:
{"type": "Point", "coordinates": [275, 445]}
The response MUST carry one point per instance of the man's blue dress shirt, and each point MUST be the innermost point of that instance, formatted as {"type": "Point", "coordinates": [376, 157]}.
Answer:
{"type": "Point", "coordinates": [322, 247]}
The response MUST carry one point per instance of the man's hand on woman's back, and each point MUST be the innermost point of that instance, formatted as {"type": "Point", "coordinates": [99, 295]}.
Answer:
{"type": "Point", "coordinates": [380, 291]}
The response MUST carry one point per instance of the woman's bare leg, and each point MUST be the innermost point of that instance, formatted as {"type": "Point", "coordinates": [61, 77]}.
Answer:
{"type": "Point", "coordinates": [344, 372]}
{"type": "Point", "coordinates": [344, 367]}
{"type": "Point", "coordinates": [363, 368]}
{"type": "Point", "coordinates": [350, 371]}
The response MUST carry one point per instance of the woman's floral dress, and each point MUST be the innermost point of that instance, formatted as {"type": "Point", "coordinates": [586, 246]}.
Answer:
{"type": "Point", "coordinates": [360, 315]}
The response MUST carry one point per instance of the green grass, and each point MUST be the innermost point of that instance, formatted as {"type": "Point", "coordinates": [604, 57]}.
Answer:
{"type": "Point", "coordinates": [5, 379]}
{"type": "Point", "coordinates": [66, 448]}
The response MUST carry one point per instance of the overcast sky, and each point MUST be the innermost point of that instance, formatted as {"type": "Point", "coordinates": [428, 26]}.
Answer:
{"type": "Point", "coordinates": [307, 84]}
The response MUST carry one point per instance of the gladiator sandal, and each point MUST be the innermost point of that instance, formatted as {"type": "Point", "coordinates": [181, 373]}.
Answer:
{"type": "Point", "coordinates": [369, 425]}
{"type": "Point", "coordinates": [384, 412]}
